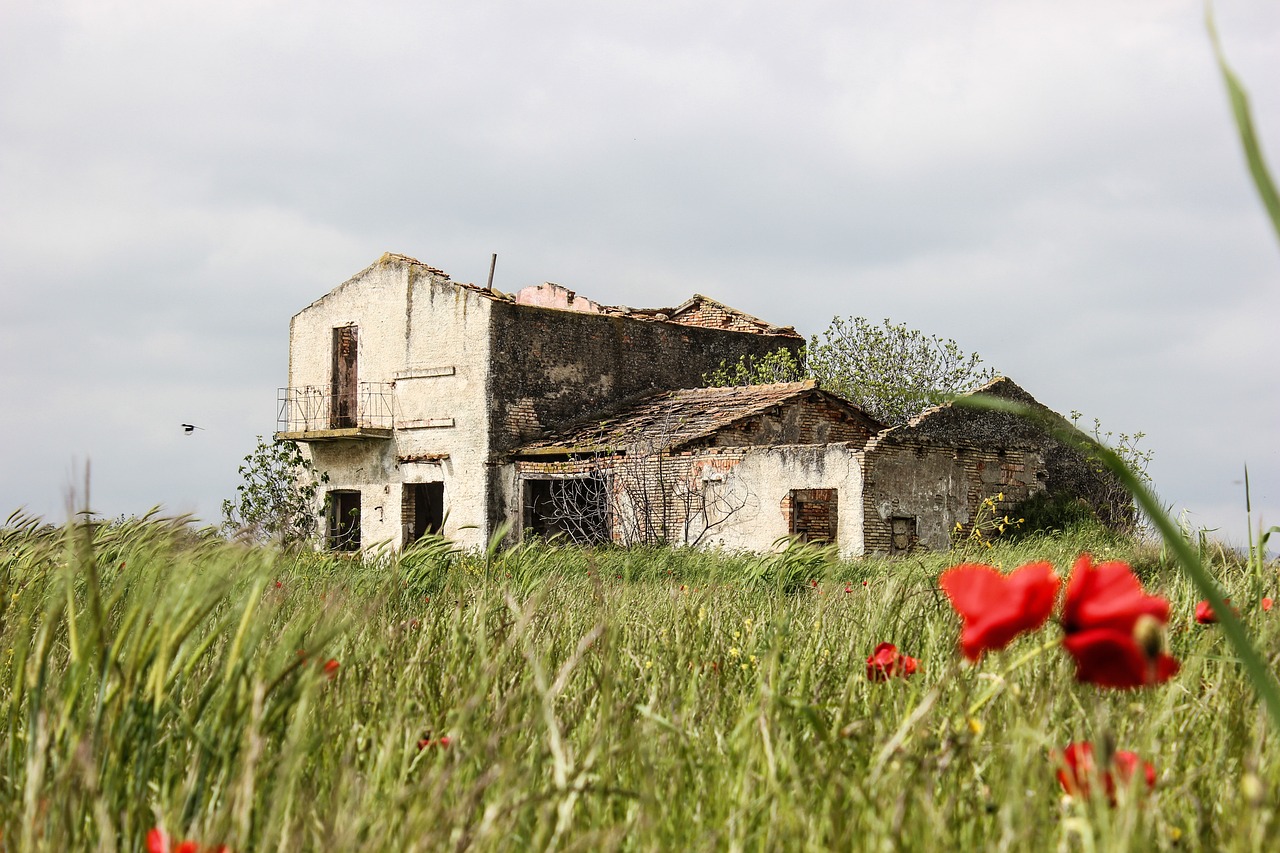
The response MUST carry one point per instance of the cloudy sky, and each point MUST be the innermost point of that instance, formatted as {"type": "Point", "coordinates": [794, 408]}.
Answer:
{"type": "Point", "coordinates": [1055, 185]}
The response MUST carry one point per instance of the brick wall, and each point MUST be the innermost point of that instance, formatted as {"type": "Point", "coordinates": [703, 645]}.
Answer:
{"type": "Point", "coordinates": [709, 315]}
{"type": "Point", "coordinates": [550, 368]}
{"type": "Point", "coordinates": [940, 486]}
{"type": "Point", "coordinates": [812, 419]}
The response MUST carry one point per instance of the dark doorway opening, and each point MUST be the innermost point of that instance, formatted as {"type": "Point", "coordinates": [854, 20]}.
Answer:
{"type": "Point", "coordinates": [344, 521]}
{"type": "Point", "coordinates": [574, 508]}
{"type": "Point", "coordinates": [342, 411]}
{"type": "Point", "coordinates": [422, 510]}
{"type": "Point", "coordinates": [813, 514]}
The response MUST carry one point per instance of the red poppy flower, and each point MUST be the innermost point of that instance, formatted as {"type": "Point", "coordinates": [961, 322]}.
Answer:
{"type": "Point", "coordinates": [1266, 604]}
{"type": "Point", "coordinates": [996, 608]}
{"type": "Point", "coordinates": [331, 668]}
{"type": "Point", "coordinates": [1205, 614]}
{"type": "Point", "coordinates": [158, 842]}
{"type": "Point", "coordinates": [1112, 627]}
{"type": "Point", "coordinates": [886, 662]}
{"type": "Point", "coordinates": [427, 740]}
{"type": "Point", "coordinates": [1114, 659]}
{"type": "Point", "coordinates": [1078, 772]}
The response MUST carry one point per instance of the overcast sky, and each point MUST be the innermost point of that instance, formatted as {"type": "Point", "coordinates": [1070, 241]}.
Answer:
{"type": "Point", "coordinates": [1057, 186]}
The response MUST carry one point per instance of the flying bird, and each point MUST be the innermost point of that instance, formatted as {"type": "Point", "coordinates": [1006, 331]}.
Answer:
{"type": "Point", "coordinates": [189, 428]}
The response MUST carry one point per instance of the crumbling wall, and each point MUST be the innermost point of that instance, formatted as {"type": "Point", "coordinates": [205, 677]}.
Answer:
{"type": "Point", "coordinates": [771, 474]}
{"type": "Point", "coordinates": [556, 367]}
{"type": "Point", "coordinates": [941, 466]}
{"type": "Point", "coordinates": [709, 314]}
{"type": "Point", "coordinates": [937, 487]}
{"type": "Point", "coordinates": [813, 419]}
{"type": "Point", "coordinates": [550, 368]}
{"type": "Point", "coordinates": [745, 491]}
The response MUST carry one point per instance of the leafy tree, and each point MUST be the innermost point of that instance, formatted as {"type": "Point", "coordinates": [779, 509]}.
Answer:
{"type": "Point", "coordinates": [276, 499]}
{"type": "Point", "coordinates": [891, 371]}
{"type": "Point", "coordinates": [778, 366]}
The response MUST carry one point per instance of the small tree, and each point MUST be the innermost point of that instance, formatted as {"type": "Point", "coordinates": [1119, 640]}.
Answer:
{"type": "Point", "coordinates": [781, 365]}
{"type": "Point", "coordinates": [1112, 499]}
{"type": "Point", "coordinates": [892, 372]}
{"type": "Point", "coordinates": [276, 499]}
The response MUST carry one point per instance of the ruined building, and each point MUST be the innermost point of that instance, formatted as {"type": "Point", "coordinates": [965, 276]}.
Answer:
{"type": "Point", "coordinates": [441, 407]}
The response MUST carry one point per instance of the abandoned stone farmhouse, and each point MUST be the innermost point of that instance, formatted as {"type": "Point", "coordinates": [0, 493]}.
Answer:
{"type": "Point", "coordinates": [441, 407]}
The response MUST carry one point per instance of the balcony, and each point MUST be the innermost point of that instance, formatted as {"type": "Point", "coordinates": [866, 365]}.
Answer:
{"type": "Point", "coordinates": [318, 413]}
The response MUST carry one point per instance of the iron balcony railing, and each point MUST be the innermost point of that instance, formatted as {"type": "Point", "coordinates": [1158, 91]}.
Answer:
{"type": "Point", "coordinates": [367, 405]}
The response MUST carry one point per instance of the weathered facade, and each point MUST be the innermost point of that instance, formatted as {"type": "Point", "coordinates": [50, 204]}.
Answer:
{"type": "Point", "coordinates": [793, 461]}
{"type": "Point", "coordinates": [923, 478]}
{"type": "Point", "coordinates": [740, 468]}
{"type": "Point", "coordinates": [409, 389]}
{"type": "Point", "coordinates": [436, 406]}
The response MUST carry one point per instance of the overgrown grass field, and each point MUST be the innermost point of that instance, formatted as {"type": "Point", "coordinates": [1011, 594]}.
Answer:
{"type": "Point", "coordinates": [547, 698]}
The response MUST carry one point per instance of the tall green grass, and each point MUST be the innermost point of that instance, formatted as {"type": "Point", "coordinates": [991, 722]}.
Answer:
{"type": "Point", "coordinates": [151, 676]}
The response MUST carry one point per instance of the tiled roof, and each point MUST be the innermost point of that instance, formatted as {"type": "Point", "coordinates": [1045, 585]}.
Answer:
{"type": "Point", "coordinates": [670, 419]}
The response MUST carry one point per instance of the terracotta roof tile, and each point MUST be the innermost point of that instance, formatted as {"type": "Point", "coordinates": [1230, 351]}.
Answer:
{"type": "Point", "coordinates": [670, 419]}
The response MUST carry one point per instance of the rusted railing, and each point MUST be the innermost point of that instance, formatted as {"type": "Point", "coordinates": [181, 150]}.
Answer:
{"type": "Point", "coordinates": [369, 405]}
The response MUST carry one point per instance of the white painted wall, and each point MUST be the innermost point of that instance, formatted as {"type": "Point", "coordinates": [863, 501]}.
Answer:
{"type": "Point", "coordinates": [430, 337]}
{"type": "Point", "coordinates": [770, 473]}
{"type": "Point", "coordinates": [442, 400]}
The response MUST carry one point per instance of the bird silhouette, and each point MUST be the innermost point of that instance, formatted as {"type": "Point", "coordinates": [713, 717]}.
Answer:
{"type": "Point", "coordinates": [189, 428]}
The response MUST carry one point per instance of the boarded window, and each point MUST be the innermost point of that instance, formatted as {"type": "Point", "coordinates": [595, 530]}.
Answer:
{"type": "Point", "coordinates": [570, 508]}
{"type": "Point", "coordinates": [344, 521]}
{"type": "Point", "coordinates": [342, 409]}
{"type": "Point", "coordinates": [422, 510]}
{"type": "Point", "coordinates": [813, 515]}
{"type": "Point", "coordinates": [902, 534]}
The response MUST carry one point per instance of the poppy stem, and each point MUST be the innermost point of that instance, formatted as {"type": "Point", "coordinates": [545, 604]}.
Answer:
{"type": "Point", "coordinates": [997, 686]}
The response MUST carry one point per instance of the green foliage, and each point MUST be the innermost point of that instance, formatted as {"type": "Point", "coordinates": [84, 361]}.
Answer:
{"type": "Point", "coordinates": [592, 699]}
{"type": "Point", "coordinates": [781, 365]}
{"type": "Point", "coordinates": [1122, 511]}
{"type": "Point", "coordinates": [1243, 116]}
{"type": "Point", "coordinates": [891, 371]}
{"type": "Point", "coordinates": [1043, 514]}
{"type": "Point", "coordinates": [276, 499]}
{"type": "Point", "coordinates": [1123, 444]}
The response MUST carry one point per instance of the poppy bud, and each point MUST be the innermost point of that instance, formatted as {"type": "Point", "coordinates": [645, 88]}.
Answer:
{"type": "Point", "coordinates": [1148, 636]}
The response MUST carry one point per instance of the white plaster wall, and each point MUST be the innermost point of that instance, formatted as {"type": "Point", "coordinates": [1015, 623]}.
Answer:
{"type": "Point", "coordinates": [430, 337]}
{"type": "Point", "coordinates": [375, 300]}
{"type": "Point", "coordinates": [770, 473]}
{"type": "Point", "coordinates": [441, 400]}
{"type": "Point", "coordinates": [367, 466]}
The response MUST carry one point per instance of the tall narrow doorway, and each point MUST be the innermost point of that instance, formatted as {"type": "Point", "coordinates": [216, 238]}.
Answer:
{"type": "Point", "coordinates": [423, 510]}
{"type": "Point", "coordinates": [342, 410]}
{"type": "Point", "coordinates": [344, 521]}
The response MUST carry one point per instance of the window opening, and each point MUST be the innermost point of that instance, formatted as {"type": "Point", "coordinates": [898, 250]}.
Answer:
{"type": "Point", "coordinates": [573, 508]}
{"type": "Point", "coordinates": [813, 514]}
{"type": "Point", "coordinates": [422, 511]}
{"type": "Point", "coordinates": [903, 534]}
{"type": "Point", "coordinates": [344, 521]}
